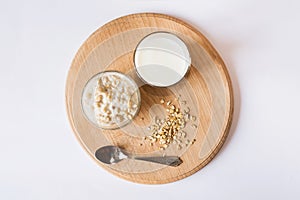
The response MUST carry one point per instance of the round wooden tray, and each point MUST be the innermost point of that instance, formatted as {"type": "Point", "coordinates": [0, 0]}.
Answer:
{"type": "Point", "coordinates": [206, 89]}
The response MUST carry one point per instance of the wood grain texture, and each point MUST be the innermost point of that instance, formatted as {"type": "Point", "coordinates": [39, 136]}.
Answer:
{"type": "Point", "coordinates": [206, 88]}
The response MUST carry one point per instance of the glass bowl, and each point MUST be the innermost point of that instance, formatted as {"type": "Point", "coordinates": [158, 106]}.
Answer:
{"type": "Point", "coordinates": [110, 100]}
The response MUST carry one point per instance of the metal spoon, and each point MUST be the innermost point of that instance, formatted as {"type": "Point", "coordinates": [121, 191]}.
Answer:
{"type": "Point", "coordinates": [114, 154]}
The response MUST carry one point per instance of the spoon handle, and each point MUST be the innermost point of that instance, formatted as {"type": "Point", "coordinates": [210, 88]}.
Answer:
{"type": "Point", "coordinates": [165, 160]}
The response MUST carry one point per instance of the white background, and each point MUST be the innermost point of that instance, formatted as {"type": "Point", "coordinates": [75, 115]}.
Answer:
{"type": "Point", "coordinates": [39, 155]}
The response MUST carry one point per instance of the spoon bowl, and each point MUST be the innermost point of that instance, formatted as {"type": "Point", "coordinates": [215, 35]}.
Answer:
{"type": "Point", "coordinates": [110, 154]}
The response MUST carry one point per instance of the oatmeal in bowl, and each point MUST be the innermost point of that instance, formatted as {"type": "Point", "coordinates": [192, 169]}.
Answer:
{"type": "Point", "coordinates": [110, 100]}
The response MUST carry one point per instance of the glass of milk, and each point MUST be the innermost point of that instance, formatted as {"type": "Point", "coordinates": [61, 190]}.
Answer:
{"type": "Point", "coordinates": [161, 59]}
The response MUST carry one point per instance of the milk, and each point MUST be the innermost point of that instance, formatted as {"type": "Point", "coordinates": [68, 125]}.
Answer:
{"type": "Point", "coordinates": [162, 59]}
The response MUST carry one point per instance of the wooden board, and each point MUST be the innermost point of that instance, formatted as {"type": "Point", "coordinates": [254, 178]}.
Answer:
{"type": "Point", "coordinates": [206, 89]}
